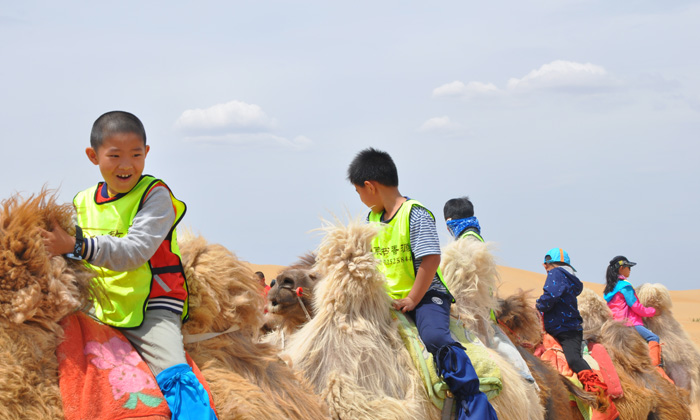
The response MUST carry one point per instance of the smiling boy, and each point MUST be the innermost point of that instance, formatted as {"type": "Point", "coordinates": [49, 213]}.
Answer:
{"type": "Point", "coordinates": [126, 231]}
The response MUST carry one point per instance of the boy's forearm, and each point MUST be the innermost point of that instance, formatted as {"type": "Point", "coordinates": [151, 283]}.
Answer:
{"type": "Point", "coordinates": [424, 277]}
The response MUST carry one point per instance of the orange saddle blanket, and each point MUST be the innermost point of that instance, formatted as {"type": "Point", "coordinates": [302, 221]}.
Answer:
{"type": "Point", "coordinates": [551, 352]}
{"type": "Point", "coordinates": [102, 377]}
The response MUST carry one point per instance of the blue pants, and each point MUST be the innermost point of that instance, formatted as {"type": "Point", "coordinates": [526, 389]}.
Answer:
{"type": "Point", "coordinates": [646, 334]}
{"type": "Point", "coordinates": [432, 317]}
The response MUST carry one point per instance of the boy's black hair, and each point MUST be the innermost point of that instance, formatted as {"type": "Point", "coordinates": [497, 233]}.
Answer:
{"type": "Point", "coordinates": [115, 122]}
{"type": "Point", "coordinates": [373, 165]}
{"type": "Point", "coordinates": [458, 208]}
{"type": "Point", "coordinates": [260, 275]}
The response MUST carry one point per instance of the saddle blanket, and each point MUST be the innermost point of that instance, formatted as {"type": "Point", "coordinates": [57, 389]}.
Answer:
{"type": "Point", "coordinates": [487, 370]}
{"type": "Point", "coordinates": [102, 377]}
{"type": "Point", "coordinates": [551, 352]}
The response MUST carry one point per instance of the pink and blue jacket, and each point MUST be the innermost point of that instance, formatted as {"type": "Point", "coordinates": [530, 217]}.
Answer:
{"type": "Point", "coordinates": [625, 306]}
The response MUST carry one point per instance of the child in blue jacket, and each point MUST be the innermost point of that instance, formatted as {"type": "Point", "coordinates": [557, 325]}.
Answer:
{"type": "Point", "coordinates": [562, 320]}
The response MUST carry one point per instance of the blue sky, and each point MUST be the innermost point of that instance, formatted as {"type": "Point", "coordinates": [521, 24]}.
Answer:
{"type": "Point", "coordinates": [570, 124]}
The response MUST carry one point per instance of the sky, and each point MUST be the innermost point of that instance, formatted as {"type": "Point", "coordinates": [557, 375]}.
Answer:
{"type": "Point", "coordinates": [569, 123]}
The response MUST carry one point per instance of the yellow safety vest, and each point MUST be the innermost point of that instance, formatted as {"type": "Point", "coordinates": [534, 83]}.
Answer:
{"type": "Point", "coordinates": [392, 247]}
{"type": "Point", "coordinates": [159, 283]}
{"type": "Point", "coordinates": [471, 233]}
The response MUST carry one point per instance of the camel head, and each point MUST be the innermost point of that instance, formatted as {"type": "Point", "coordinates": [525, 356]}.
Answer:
{"type": "Point", "coordinates": [594, 311]}
{"type": "Point", "coordinates": [223, 291]}
{"type": "Point", "coordinates": [33, 286]}
{"type": "Point", "coordinates": [655, 295]}
{"type": "Point", "coordinates": [519, 316]}
{"type": "Point", "coordinates": [282, 296]}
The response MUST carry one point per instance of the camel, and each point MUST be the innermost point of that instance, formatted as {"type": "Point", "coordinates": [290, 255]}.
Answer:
{"type": "Point", "coordinates": [471, 275]}
{"type": "Point", "coordinates": [287, 307]}
{"type": "Point", "coordinates": [645, 390]}
{"type": "Point", "coordinates": [520, 319]}
{"type": "Point", "coordinates": [35, 294]}
{"type": "Point", "coordinates": [680, 354]}
{"type": "Point", "coordinates": [353, 319]}
{"type": "Point", "coordinates": [351, 351]}
{"type": "Point", "coordinates": [248, 379]}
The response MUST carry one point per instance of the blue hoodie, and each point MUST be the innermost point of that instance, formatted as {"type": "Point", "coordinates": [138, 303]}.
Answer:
{"type": "Point", "coordinates": [558, 303]}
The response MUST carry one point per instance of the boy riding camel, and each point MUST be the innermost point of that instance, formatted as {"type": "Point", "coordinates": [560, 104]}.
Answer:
{"type": "Point", "coordinates": [126, 231]}
{"type": "Point", "coordinates": [408, 249]}
{"type": "Point", "coordinates": [562, 320]}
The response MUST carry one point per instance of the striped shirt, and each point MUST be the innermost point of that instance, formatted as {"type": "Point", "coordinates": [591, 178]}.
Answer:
{"type": "Point", "coordinates": [424, 241]}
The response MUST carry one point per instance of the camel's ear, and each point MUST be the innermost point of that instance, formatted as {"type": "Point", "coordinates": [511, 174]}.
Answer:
{"type": "Point", "coordinates": [92, 155]}
{"type": "Point", "coordinates": [313, 276]}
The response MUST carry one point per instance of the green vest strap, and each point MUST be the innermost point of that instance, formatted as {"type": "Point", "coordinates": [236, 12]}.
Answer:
{"type": "Point", "coordinates": [471, 233]}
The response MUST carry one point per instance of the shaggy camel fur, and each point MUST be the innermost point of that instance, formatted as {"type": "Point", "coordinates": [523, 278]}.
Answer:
{"type": "Point", "coordinates": [680, 354]}
{"type": "Point", "coordinates": [519, 316]}
{"type": "Point", "coordinates": [351, 351]}
{"type": "Point", "coordinates": [517, 313]}
{"type": "Point", "coordinates": [645, 390]}
{"type": "Point", "coordinates": [247, 378]}
{"type": "Point", "coordinates": [470, 272]}
{"type": "Point", "coordinates": [35, 293]}
{"type": "Point", "coordinates": [285, 315]}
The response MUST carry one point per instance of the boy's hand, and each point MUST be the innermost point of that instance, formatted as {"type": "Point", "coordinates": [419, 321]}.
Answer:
{"type": "Point", "coordinates": [57, 241]}
{"type": "Point", "coordinates": [404, 305]}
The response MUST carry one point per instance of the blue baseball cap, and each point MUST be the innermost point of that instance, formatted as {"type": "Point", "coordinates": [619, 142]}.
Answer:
{"type": "Point", "coordinates": [558, 255]}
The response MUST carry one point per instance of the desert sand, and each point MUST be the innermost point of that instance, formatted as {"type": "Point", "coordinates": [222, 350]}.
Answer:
{"type": "Point", "coordinates": [686, 303]}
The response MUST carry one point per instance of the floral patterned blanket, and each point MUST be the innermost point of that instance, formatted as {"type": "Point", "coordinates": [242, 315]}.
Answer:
{"type": "Point", "coordinates": [102, 377]}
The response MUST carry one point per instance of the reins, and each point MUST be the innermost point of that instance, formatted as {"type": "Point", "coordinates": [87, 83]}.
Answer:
{"type": "Point", "coordinates": [195, 338]}
{"type": "Point", "coordinates": [299, 292]}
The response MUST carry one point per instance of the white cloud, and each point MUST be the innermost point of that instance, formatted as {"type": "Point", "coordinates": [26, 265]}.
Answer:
{"type": "Point", "coordinates": [455, 88]}
{"type": "Point", "coordinates": [458, 88]}
{"type": "Point", "coordinates": [567, 76]}
{"type": "Point", "coordinates": [234, 122]}
{"type": "Point", "coordinates": [298, 142]}
{"type": "Point", "coordinates": [562, 74]}
{"type": "Point", "coordinates": [233, 116]}
{"type": "Point", "coordinates": [438, 124]}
